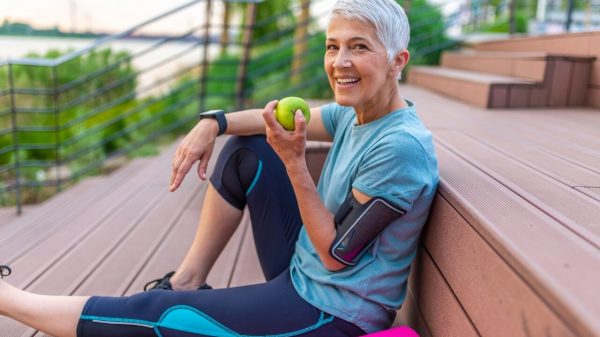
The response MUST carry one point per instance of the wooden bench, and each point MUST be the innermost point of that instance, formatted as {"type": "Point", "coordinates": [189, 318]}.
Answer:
{"type": "Point", "coordinates": [511, 248]}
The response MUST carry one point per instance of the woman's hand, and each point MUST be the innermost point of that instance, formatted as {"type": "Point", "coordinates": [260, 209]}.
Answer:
{"type": "Point", "coordinates": [289, 145]}
{"type": "Point", "coordinates": [197, 145]}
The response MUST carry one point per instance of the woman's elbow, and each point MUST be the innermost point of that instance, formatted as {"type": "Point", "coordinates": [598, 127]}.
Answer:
{"type": "Point", "coordinates": [332, 265]}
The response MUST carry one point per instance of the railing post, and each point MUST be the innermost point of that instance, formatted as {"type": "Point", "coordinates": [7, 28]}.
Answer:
{"type": "Point", "coordinates": [225, 33]}
{"type": "Point", "coordinates": [300, 40]}
{"type": "Point", "coordinates": [406, 6]}
{"type": "Point", "coordinates": [55, 98]}
{"type": "Point", "coordinates": [570, 8]}
{"type": "Point", "coordinates": [13, 110]}
{"type": "Point", "coordinates": [247, 44]}
{"type": "Point", "coordinates": [512, 21]}
{"type": "Point", "coordinates": [206, 46]}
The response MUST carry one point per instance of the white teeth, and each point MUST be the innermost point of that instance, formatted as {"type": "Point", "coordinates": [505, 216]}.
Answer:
{"type": "Point", "coordinates": [347, 80]}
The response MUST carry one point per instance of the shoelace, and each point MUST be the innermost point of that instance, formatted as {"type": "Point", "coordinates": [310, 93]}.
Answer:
{"type": "Point", "coordinates": [5, 271]}
{"type": "Point", "coordinates": [160, 283]}
{"type": "Point", "coordinates": [164, 283]}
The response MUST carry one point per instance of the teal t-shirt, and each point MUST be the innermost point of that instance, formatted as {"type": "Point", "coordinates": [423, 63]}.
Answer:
{"type": "Point", "coordinates": [391, 157]}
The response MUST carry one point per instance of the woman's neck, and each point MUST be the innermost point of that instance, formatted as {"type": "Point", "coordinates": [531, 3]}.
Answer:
{"type": "Point", "coordinates": [376, 109]}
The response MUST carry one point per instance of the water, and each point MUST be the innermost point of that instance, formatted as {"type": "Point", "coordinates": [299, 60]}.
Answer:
{"type": "Point", "coordinates": [149, 64]}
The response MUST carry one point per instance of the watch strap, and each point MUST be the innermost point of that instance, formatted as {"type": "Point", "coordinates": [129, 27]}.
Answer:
{"type": "Point", "coordinates": [219, 116]}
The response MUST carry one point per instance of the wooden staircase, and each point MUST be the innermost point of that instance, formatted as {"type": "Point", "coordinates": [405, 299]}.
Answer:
{"type": "Point", "coordinates": [509, 79]}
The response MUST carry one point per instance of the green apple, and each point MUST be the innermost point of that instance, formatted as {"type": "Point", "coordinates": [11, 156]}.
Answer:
{"type": "Point", "coordinates": [286, 109]}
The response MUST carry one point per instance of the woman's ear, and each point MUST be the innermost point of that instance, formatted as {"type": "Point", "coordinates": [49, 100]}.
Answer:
{"type": "Point", "coordinates": [400, 61]}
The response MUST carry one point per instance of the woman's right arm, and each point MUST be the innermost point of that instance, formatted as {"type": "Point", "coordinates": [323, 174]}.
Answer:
{"type": "Point", "coordinates": [198, 144]}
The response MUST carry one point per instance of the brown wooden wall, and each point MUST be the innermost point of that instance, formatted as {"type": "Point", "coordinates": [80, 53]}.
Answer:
{"type": "Point", "coordinates": [461, 286]}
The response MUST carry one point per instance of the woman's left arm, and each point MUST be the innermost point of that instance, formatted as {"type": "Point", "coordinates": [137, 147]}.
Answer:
{"type": "Point", "coordinates": [317, 219]}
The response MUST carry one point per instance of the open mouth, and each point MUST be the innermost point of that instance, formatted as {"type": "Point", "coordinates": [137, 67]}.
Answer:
{"type": "Point", "coordinates": [347, 81]}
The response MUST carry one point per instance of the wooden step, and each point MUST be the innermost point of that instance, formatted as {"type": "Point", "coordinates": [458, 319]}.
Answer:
{"type": "Point", "coordinates": [512, 231]}
{"type": "Point", "coordinates": [583, 44]}
{"type": "Point", "coordinates": [480, 89]}
{"type": "Point", "coordinates": [527, 65]}
{"type": "Point", "coordinates": [526, 79]}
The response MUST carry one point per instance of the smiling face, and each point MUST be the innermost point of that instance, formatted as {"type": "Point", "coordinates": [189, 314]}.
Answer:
{"type": "Point", "coordinates": [357, 66]}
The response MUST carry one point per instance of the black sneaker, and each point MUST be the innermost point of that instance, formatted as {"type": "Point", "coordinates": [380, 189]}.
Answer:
{"type": "Point", "coordinates": [165, 283]}
{"type": "Point", "coordinates": [4, 271]}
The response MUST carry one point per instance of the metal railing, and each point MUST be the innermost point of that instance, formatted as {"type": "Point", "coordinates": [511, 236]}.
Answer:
{"type": "Point", "coordinates": [62, 118]}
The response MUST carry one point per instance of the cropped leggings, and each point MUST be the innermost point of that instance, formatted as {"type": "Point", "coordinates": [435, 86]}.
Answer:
{"type": "Point", "coordinates": [247, 173]}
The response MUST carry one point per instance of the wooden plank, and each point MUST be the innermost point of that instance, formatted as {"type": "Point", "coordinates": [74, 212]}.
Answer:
{"type": "Point", "coordinates": [579, 126]}
{"type": "Point", "coordinates": [519, 96]}
{"type": "Point", "coordinates": [53, 247]}
{"type": "Point", "coordinates": [410, 315]}
{"type": "Point", "coordinates": [171, 251]}
{"type": "Point", "coordinates": [534, 157]}
{"type": "Point", "coordinates": [43, 216]}
{"type": "Point", "coordinates": [108, 269]}
{"type": "Point", "coordinates": [168, 253]}
{"type": "Point", "coordinates": [593, 97]}
{"type": "Point", "coordinates": [550, 258]}
{"type": "Point", "coordinates": [579, 83]}
{"type": "Point", "coordinates": [39, 214]}
{"type": "Point", "coordinates": [571, 209]}
{"type": "Point", "coordinates": [471, 76]}
{"type": "Point", "coordinates": [122, 262]}
{"type": "Point", "coordinates": [497, 300]}
{"type": "Point", "coordinates": [8, 215]}
{"type": "Point", "coordinates": [576, 147]}
{"type": "Point", "coordinates": [574, 43]}
{"type": "Point", "coordinates": [438, 304]}
{"type": "Point", "coordinates": [63, 208]}
{"type": "Point", "coordinates": [63, 274]}
{"type": "Point", "coordinates": [515, 64]}
{"type": "Point", "coordinates": [61, 232]}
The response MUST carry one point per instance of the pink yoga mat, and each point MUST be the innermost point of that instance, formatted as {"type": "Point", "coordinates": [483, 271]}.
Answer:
{"type": "Point", "coordinates": [395, 332]}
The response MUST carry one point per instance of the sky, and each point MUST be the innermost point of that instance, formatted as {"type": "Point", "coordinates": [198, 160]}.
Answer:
{"type": "Point", "coordinates": [84, 15]}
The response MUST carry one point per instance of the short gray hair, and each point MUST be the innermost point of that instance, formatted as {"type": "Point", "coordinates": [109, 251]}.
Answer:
{"type": "Point", "coordinates": [388, 18]}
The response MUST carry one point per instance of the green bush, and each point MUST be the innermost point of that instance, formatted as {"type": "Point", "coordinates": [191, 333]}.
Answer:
{"type": "Point", "coordinates": [427, 35]}
{"type": "Point", "coordinates": [82, 111]}
{"type": "Point", "coordinates": [502, 25]}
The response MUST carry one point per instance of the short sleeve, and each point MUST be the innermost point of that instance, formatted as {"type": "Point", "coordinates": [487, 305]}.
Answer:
{"type": "Point", "coordinates": [330, 114]}
{"type": "Point", "coordinates": [396, 169]}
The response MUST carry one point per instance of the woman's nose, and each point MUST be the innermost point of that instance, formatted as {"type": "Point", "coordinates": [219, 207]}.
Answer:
{"type": "Point", "coordinates": [342, 60]}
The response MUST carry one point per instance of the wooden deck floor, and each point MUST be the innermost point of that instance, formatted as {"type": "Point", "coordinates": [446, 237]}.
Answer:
{"type": "Point", "coordinates": [109, 235]}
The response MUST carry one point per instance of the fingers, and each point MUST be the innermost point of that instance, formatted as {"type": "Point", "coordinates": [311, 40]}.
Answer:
{"type": "Point", "coordinates": [300, 122]}
{"type": "Point", "coordinates": [177, 159]}
{"type": "Point", "coordinates": [204, 163]}
{"type": "Point", "coordinates": [180, 172]}
{"type": "Point", "coordinates": [268, 115]}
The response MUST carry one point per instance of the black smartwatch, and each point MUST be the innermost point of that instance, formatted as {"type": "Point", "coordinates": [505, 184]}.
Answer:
{"type": "Point", "coordinates": [219, 115]}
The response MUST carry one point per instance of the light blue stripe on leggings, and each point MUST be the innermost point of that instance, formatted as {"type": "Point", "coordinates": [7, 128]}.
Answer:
{"type": "Point", "coordinates": [256, 176]}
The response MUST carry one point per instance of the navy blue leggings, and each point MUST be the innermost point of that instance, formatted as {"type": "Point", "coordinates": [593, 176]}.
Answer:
{"type": "Point", "coordinates": [247, 172]}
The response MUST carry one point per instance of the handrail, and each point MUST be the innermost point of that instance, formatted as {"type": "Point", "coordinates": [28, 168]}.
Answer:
{"type": "Point", "coordinates": [102, 41]}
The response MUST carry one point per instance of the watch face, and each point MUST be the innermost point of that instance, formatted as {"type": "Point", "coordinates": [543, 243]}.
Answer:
{"type": "Point", "coordinates": [210, 114]}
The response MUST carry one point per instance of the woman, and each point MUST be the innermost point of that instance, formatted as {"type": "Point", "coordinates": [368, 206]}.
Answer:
{"type": "Point", "coordinates": [381, 152]}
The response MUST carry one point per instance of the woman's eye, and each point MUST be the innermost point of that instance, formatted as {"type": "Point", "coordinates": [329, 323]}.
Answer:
{"type": "Point", "coordinates": [360, 47]}
{"type": "Point", "coordinates": [331, 47]}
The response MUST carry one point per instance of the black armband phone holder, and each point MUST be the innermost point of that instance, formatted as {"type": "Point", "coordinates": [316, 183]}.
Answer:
{"type": "Point", "coordinates": [358, 225]}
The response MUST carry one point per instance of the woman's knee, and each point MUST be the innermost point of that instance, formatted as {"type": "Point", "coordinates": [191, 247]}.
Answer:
{"type": "Point", "coordinates": [236, 168]}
